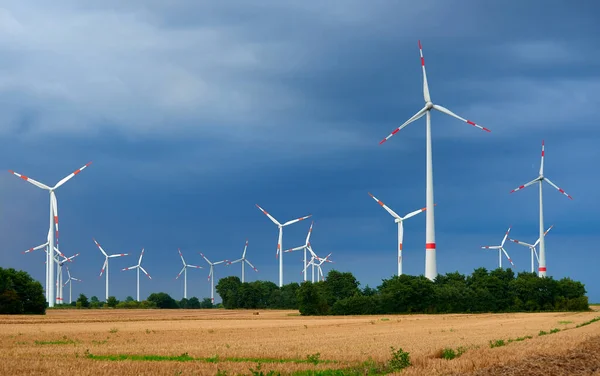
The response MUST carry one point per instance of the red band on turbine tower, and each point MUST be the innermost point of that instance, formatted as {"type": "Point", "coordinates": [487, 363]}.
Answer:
{"type": "Point", "coordinates": [542, 269]}
{"type": "Point", "coordinates": [429, 245]}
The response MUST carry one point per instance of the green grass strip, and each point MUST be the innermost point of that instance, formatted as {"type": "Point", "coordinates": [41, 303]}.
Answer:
{"type": "Point", "coordinates": [213, 359]}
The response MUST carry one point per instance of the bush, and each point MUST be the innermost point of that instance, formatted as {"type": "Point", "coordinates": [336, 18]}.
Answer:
{"type": "Point", "coordinates": [163, 300]}
{"type": "Point", "coordinates": [400, 359]}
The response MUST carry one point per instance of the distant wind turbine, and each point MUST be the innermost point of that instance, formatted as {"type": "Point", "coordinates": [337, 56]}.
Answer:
{"type": "Point", "coordinates": [212, 274]}
{"type": "Point", "coordinates": [105, 265]}
{"type": "Point", "coordinates": [184, 271]}
{"type": "Point", "coordinates": [139, 267]}
{"type": "Point", "coordinates": [500, 249]}
{"type": "Point", "coordinates": [244, 261]}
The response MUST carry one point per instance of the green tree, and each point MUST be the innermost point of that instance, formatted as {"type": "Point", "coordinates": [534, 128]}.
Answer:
{"type": "Point", "coordinates": [228, 288]}
{"type": "Point", "coordinates": [340, 285]}
{"type": "Point", "coordinates": [162, 300]}
{"type": "Point", "coordinates": [311, 299]}
{"type": "Point", "coordinates": [289, 296]}
{"type": "Point", "coordinates": [183, 303]}
{"type": "Point", "coordinates": [83, 301]}
{"type": "Point", "coordinates": [112, 302]}
{"type": "Point", "coordinates": [19, 293]}
{"type": "Point", "coordinates": [206, 303]}
{"type": "Point", "coordinates": [193, 303]}
{"type": "Point", "coordinates": [129, 299]}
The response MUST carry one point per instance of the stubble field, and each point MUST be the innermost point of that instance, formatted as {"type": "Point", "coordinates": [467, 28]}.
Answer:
{"type": "Point", "coordinates": [91, 342]}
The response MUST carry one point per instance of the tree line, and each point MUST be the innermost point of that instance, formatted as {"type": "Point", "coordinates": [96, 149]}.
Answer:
{"type": "Point", "coordinates": [154, 300]}
{"type": "Point", "coordinates": [498, 290]}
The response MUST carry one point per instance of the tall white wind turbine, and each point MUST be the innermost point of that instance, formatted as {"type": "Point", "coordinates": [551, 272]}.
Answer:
{"type": "Point", "coordinates": [59, 273]}
{"type": "Point", "coordinates": [243, 260]}
{"type": "Point", "coordinates": [280, 239]}
{"type": "Point", "coordinates": [532, 248]}
{"type": "Point", "coordinates": [500, 249]}
{"type": "Point", "coordinates": [540, 179]}
{"type": "Point", "coordinates": [184, 271]}
{"type": "Point", "coordinates": [105, 265]}
{"type": "Point", "coordinates": [430, 247]}
{"type": "Point", "coordinates": [70, 282]}
{"type": "Point", "coordinates": [400, 221]}
{"type": "Point", "coordinates": [212, 274]}
{"type": "Point", "coordinates": [139, 267]}
{"type": "Point", "coordinates": [304, 248]}
{"type": "Point", "coordinates": [50, 277]}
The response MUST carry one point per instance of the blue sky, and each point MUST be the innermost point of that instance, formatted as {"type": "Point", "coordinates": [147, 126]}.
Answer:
{"type": "Point", "coordinates": [192, 113]}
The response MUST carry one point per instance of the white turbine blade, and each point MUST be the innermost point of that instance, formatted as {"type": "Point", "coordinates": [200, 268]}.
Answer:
{"type": "Point", "coordinates": [548, 230]}
{"type": "Point", "coordinates": [387, 209]}
{"type": "Point", "coordinates": [210, 273]}
{"type": "Point", "coordinates": [235, 262]}
{"type": "Point", "coordinates": [425, 85]}
{"type": "Point", "coordinates": [103, 266]}
{"type": "Point", "coordinates": [145, 272]}
{"type": "Point", "coordinates": [490, 247]}
{"type": "Point", "coordinates": [268, 215]}
{"type": "Point", "coordinates": [279, 240]}
{"type": "Point", "coordinates": [309, 233]}
{"type": "Point", "coordinates": [536, 255]}
{"type": "Point", "coordinates": [60, 253]}
{"type": "Point", "coordinates": [542, 163]}
{"type": "Point", "coordinates": [68, 281]}
{"type": "Point", "coordinates": [119, 255]}
{"type": "Point", "coordinates": [525, 185]}
{"type": "Point", "coordinates": [180, 255]}
{"type": "Point", "coordinates": [141, 255]}
{"type": "Point", "coordinates": [54, 211]}
{"type": "Point", "coordinates": [520, 242]}
{"type": "Point", "coordinates": [252, 266]}
{"type": "Point", "coordinates": [75, 279]}
{"type": "Point", "coordinates": [30, 180]}
{"type": "Point", "coordinates": [505, 236]}
{"type": "Point", "coordinates": [67, 178]}
{"type": "Point", "coordinates": [68, 272]}
{"type": "Point", "coordinates": [245, 248]}
{"type": "Point", "coordinates": [194, 266]}
{"type": "Point", "coordinates": [507, 256]}
{"type": "Point", "coordinates": [313, 254]}
{"type": "Point", "coordinates": [448, 112]}
{"type": "Point", "coordinates": [416, 116]}
{"type": "Point", "coordinates": [130, 268]}
{"type": "Point", "coordinates": [412, 214]}
{"type": "Point", "coordinates": [202, 254]}
{"type": "Point", "coordinates": [101, 250]}
{"type": "Point", "coordinates": [182, 269]}
{"type": "Point", "coordinates": [559, 189]}
{"type": "Point", "coordinates": [296, 220]}
{"type": "Point", "coordinates": [220, 262]}
{"type": "Point", "coordinates": [295, 249]}
{"type": "Point", "coordinates": [36, 248]}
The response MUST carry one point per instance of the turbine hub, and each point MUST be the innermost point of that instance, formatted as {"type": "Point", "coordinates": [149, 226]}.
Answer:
{"type": "Point", "coordinates": [429, 105]}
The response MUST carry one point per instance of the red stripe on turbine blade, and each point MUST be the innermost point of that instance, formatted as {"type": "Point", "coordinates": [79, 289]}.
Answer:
{"type": "Point", "coordinates": [11, 171]}
{"type": "Point", "coordinates": [429, 245]}
{"type": "Point", "coordinates": [470, 122]}
{"type": "Point", "coordinates": [542, 153]}
{"type": "Point", "coordinates": [400, 247]}
{"type": "Point", "coordinates": [560, 190]}
{"type": "Point", "coordinates": [380, 203]}
{"type": "Point", "coordinates": [542, 269]}
{"type": "Point", "coordinates": [382, 141]}
{"type": "Point", "coordinates": [77, 171]}
{"type": "Point", "coordinates": [24, 177]}
{"type": "Point", "coordinates": [521, 187]}
{"type": "Point", "coordinates": [396, 131]}
{"type": "Point", "coordinates": [487, 130]}
{"type": "Point", "coordinates": [55, 219]}
{"type": "Point", "coordinates": [420, 48]}
{"type": "Point", "coordinates": [423, 61]}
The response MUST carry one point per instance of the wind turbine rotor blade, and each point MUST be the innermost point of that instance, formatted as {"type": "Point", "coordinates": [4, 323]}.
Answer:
{"type": "Point", "coordinates": [507, 256]}
{"type": "Point", "coordinates": [521, 243]}
{"type": "Point", "coordinates": [268, 215]}
{"type": "Point", "coordinates": [536, 255]}
{"type": "Point", "coordinates": [182, 269]}
{"type": "Point", "coordinates": [130, 268]}
{"type": "Point", "coordinates": [202, 254]}
{"type": "Point", "coordinates": [36, 248]}
{"type": "Point", "coordinates": [99, 247]}
{"type": "Point", "coordinates": [490, 247]}
{"type": "Point", "coordinates": [141, 255]}
{"type": "Point", "coordinates": [252, 266]}
{"type": "Point", "coordinates": [245, 248]}
{"type": "Point", "coordinates": [387, 209]}
{"type": "Point", "coordinates": [295, 249]}
{"type": "Point", "coordinates": [103, 267]}
{"type": "Point", "coordinates": [559, 189]}
{"type": "Point", "coordinates": [416, 116]}
{"type": "Point", "coordinates": [542, 163]}
{"type": "Point", "coordinates": [425, 85]}
{"type": "Point", "coordinates": [235, 261]}
{"type": "Point", "coordinates": [59, 252]}
{"type": "Point", "coordinates": [54, 211]}
{"type": "Point", "coordinates": [525, 185]}
{"type": "Point", "coordinates": [119, 255]}
{"type": "Point", "coordinates": [180, 255]}
{"type": "Point", "coordinates": [448, 112]}
{"type": "Point", "coordinates": [30, 180]}
{"type": "Point", "coordinates": [145, 272]}
{"type": "Point", "coordinates": [412, 214]}
{"type": "Point", "coordinates": [545, 232]}
{"type": "Point", "coordinates": [67, 178]}
{"type": "Point", "coordinates": [194, 266]}
{"type": "Point", "coordinates": [220, 262]}
{"type": "Point", "coordinates": [296, 220]}
{"type": "Point", "coordinates": [309, 233]}
{"type": "Point", "coordinates": [505, 236]}
{"type": "Point", "coordinates": [75, 279]}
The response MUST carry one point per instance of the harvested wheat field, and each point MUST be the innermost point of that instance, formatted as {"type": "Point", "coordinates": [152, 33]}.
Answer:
{"type": "Point", "coordinates": [151, 342]}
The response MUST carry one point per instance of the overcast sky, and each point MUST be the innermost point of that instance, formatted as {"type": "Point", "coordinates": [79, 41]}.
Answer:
{"type": "Point", "coordinates": [193, 112]}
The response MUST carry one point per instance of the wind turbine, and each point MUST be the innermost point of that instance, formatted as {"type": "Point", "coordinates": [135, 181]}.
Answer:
{"type": "Point", "coordinates": [400, 221]}
{"type": "Point", "coordinates": [430, 247]}
{"type": "Point", "coordinates": [105, 265]}
{"type": "Point", "coordinates": [212, 274]}
{"type": "Point", "coordinates": [184, 271]}
{"type": "Point", "coordinates": [70, 282]}
{"type": "Point", "coordinates": [243, 260]}
{"type": "Point", "coordinates": [313, 264]}
{"type": "Point", "coordinates": [304, 247]}
{"type": "Point", "coordinates": [532, 248]}
{"type": "Point", "coordinates": [540, 179]}
{"type": "Point", "coordinates": [500, 249]}
{"type": "Point", "coordinates": [280, 239]}
{"type": "Point", "coordinates": [53, 226]}
{"type": "Point", "coordinates": [321, 262]}
{"type": "Point", "coordinates": [138, 267]}
{"type": "Point", "coordinates": [59, 272]}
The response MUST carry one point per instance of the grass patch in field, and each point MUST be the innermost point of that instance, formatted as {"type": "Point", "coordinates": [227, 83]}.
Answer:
{"type": "Point", "coordinates": [449, 353]}
{"type": "Point", "coordinates": [497, 343]}
{"type": "Point", "coordinates": [588, 322]}
{"type": "Point", "coordinates": [113, 330]}
{"type": "Point", "coordinates": [385, 319]}
{"type": "Point", "coordinates": [565, 322]}
{"type": "Point", "coordinates": [555, 330]}
{"type": "Point", "coordinates": [519, 339]}
{"type": "Point", "coordinates": [65, 341]}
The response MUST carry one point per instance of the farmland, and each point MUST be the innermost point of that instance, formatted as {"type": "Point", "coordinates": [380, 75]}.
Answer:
{"type": "Point", "coordinates": [204, 342]}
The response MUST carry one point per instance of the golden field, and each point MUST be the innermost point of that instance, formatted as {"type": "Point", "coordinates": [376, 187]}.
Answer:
{"type": "Point", "coordinates": [59, 342]}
